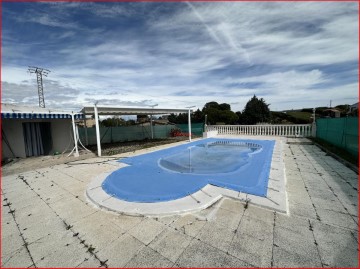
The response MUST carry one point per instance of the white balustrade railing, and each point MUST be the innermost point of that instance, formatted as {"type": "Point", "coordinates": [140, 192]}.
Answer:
{"type": "Point", "coordinates": [294, 130]}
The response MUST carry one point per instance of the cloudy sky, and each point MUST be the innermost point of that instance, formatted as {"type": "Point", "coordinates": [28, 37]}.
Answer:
{"type": "Point", "coordinates": [293, 55]}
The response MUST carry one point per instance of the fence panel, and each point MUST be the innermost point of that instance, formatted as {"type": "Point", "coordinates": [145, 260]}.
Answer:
{"type": "Point", "coordinates": [125, 133]}
{"type": "Point", "coordinates": [341, 132]}
{"type": "Point", "coordinates": [196, 128]}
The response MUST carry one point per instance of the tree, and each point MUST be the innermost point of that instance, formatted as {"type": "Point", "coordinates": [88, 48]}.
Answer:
{"type": "Point", "coordinates": [197, 116]}
{"type": "Point", "coordinates": [209, 105]}
{"type": "Point", "coordinates": [113, 122]}
{"type": "Point", "coordinates": [256, 111]}
{"type": "Point", "coordinates": [240, 117]}
{"type": "Point", "coordinates": [142, 118]}
{"type": "Point", "coordinates": [219, 113]}
{"type": "Point", "coordinates": [225, 107]}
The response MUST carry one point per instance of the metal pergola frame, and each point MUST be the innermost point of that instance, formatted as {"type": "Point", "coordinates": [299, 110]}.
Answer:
{"type": "Point", "coordinates": [117, 111]}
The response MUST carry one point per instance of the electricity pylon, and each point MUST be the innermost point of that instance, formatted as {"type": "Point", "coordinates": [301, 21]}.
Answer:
{"type": "Point", "coordinates": [40, 72]}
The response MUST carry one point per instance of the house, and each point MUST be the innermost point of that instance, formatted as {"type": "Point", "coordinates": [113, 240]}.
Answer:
{"type": "Point", "coordinates": [33, 131]}
{"type": "Point", "coordinates": [331, 113]}
{"type": "Point", "coordinates": [354, 107]}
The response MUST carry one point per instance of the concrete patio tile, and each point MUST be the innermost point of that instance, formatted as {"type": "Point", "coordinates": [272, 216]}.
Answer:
{"type": "Point", "coordinates": [50, 199]}
{"type": "Point", "coordinates": [347, 199]}
{"type": "Point", "coordinates": [301, 242]}
{"type": "Point", "coordinates": [306, 168]}
{"type": "Point", "coordinates": [302, 210]}
{"type": "Point", "coordinates": [72, 209]}
{"type": "Point", "coordinates": [226, 218]}
{"type": "Point", "coordinates": [337, 218]}
{"type": "Point", "coordinates": [252, 250]}
{"type": "Point", "coordinates": [295, 186]}
{"type": "Point", "coordinates": [325, 194]}
{"type": "Point", "coordinates": [344, 190]}
{"type": "Point", "coordinates": [285, 259]}
{"type": "Point", "coordinates": [199, 254]}
{"type": "Point", "coordinates": [311, 177]}
{"type": "Point", "coordinates": [171, 243]}
{"type": "Point", "coordinates": [25, 199]}
{"type": "Point", "coordinates": [232, 205]}
{"type": "Point", "coordinates": [329, 204]}
{"type": "Point", "coordinates": [67, 256]}
{"type": "Point", "coordinates": [319, 186]}
{"type": "Point", "coordinates": [147, 230]}
{"type": "Point", "coordinates": [9, 244]}
{"type": "Point", "coordinates": [300, 196]}
{"type": "Point", "coordinates": [46, 245]}
{"type": "Point", "coordinates": [25, 204]}
{"type": "Point", "coordinates": [67, 183]}
{"type": "Point", "coordinates": [8, 180]}
{"type": "Point", "coordinates": [19, 258]}
{"type": "Point", "coordinates": [256, 228]}
{"type": "Point", "coordinates": [120, 251]}
{"type": "Point", "coordinates": [260, 213]}
{"type": "Point", "coordinates": [167, 220]}
{"type": "Point", "coordinates": [337, 246]}
{"type": "Point", "coordinates": [352, 209]}
{"type": "Point", "coordinates": [32, 214]}
{"type": "Point", "coordinates": [148, 258]}
{"type": "Point", "coordinates": [46, 225]}
{"type": "Point", "coordinates": [77, 190]}
{"type": "Point", "coordinates": [293, 223]}
{"type": "Point", "coordinates": [98, 235]}
{"type": "Point", "coordinates": [124, 222]}
{"type": "Point", "coordinates": [89, 263]}
{"type": "Point", "coordinates": [50, 195]}
{"type": "Point", "coordinates": [216, 236]}
{"type": "Point", "coordinates": [8, 225]}
{"type": "Point", "coordinates": [189, 225]}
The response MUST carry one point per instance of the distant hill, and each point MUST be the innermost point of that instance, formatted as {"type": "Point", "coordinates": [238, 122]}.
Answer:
{"type": "Point", "coordinates": [304, 115]}
{"type": "Point", "coordinates": [291, 117]}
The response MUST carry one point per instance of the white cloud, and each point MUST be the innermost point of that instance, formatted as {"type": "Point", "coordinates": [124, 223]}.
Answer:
{"type": "Point", "coordinates": [197, 53]}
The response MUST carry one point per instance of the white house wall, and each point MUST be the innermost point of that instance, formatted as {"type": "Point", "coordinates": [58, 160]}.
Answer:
{"type": "Point", "coordinates": [60, 133]}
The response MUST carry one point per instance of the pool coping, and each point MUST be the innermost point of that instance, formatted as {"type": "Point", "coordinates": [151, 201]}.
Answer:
{"type": "Point", "coordinates": [276, 196]}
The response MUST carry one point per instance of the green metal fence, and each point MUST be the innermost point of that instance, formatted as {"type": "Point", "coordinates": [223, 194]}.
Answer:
{"type": "Point", "coordinates": [125, 133]}
{"type": "Point", "coordinates": [196, 128]}
{"type": "Point", "coordinates": [138, 132]}
{"type": "Point", "coordinates": [341, 132]}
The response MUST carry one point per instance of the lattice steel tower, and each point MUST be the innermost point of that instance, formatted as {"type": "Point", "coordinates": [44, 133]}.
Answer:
{"type": "Point", "coordinates": [40, 72]}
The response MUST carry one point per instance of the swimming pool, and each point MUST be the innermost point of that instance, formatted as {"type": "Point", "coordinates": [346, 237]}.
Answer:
{"type": "Point", "coordinates": [173, 173]}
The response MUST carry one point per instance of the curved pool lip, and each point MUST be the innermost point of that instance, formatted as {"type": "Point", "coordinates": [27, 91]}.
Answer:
{"type": "Point", "coordinates": [209, 194]}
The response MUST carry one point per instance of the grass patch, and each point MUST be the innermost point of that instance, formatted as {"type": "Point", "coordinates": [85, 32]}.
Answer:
{"type": "Point", "coordinates": [342, 153]}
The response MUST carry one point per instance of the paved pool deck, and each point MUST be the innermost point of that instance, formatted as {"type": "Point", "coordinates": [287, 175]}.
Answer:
{"type": "Point", "coordinates": [47, 221]}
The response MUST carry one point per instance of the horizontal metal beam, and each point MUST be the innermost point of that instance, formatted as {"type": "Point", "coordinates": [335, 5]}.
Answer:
{"type": "Point", "coordinates": [89, 110]}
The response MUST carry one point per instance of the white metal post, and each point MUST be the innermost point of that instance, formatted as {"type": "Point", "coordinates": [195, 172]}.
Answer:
{"type": "Point", "coordinates": [86, 133]}
{"type": "Point", "coordinates": [97, 130]}
{"type": "Point", "coordinates": [189, 123]}
{"type": "Point", "coordinates": [151, 127]}
{"type": "Point", "coordinates": [76, 153]}
{"type": "Point", "coordinates": [313, 126]}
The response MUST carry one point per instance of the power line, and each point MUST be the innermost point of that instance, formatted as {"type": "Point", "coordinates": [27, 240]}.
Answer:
{"type": "Point", "coordinates": [40, 72]}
